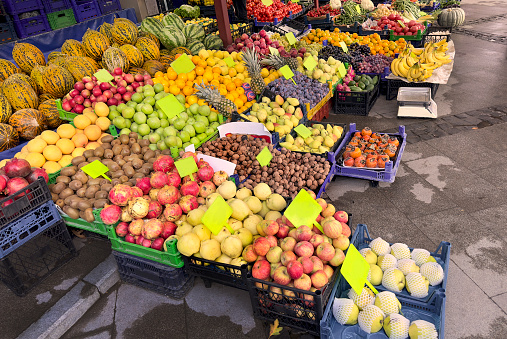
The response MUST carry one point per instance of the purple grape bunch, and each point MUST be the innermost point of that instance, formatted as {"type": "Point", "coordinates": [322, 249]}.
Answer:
{"type": "Point", "coordinates": [373, 64]}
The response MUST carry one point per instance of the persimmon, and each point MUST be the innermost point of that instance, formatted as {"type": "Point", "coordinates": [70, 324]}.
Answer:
{"type": "Point", "coordinates": [348, 162]}
{"type": "Point", "coordinates": [371, 162]}
{"type": "Point", "coordinates": [355, 153]}
{"type": "Point", "coordinates": [366, 131]}
{"type": "Point", "coordinates": [360, 161]}
{"type": "Point", "coordinates": [393, 141]}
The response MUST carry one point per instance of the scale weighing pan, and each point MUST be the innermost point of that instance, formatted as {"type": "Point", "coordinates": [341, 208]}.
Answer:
{"type": "Point", "coordinates": [416, 102]}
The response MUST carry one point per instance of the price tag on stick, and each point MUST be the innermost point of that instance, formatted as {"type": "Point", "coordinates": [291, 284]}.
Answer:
{"type": "Point", "coordinates": [303, 131]}
{"type": "Point", "coordinates": [310, 63]}
{"type": "Point", "coordinates": [401, 23]}
{"type": "Point", "coordinates": [264, 157]}
{"type": "Point", "coordinates": [273, 51]}
{"type": "Point", "coordinates": [343, 45]}
{"type": "Point", "coordinates": [267, 2]}
{"type": "Point", "coordinates": [287, 73]}
{"type": "Point", "coordinates": [304, 210]}
{"type": "Point", "coordinates": [104, 76]}
{"type": "Point", "coordinates": [229, 62]}
{"type": "Point", "coordinates": [291, 38]}
{"type": "Point", "coordinates": [355, 270]}
{"type": "Point", "coordinates": [186, 166]}
{"type": "Point", "coordinates": [170, 106]}
{"type": "Point", "coordinates": [358, 9]}
{"type": "Point", "coordinates": [217, 215]}
{"type": "Point", "coordinates": [96, 169]}
{"type": "Point", "coordinates": [341, 70]}
{"type": "Point", "coordinates": [183, 64]}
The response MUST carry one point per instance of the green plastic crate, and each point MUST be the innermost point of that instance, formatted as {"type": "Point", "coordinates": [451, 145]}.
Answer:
{"type": "Point", "coordinates": [95, 227]}
{"type": "Point", "coordinates": [53, 176]}
{"type": "Point", "coordinates": [417, 37]}
{"type": "Point", "coordinates": [61, 19]}
{"type": "Point", "coordinates": [64, 115]}
{"type": "Point", "coordinates": [171, 258]}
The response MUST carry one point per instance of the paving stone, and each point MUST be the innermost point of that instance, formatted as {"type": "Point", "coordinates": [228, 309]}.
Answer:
{"type": "Point", "coordinates": [497, 114]}
{"type": "Point", "coordinates": [501, 301]}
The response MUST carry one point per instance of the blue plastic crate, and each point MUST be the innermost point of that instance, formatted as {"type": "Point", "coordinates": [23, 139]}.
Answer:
{"type": "Point", "coordinates": [7, 33]}
{"type": "Point", "coordinates": [51, 6]}
{"type": "Point", "coordinates": [9, 154]}
{"type": "Point", "coordinates": [442, 255]}
{"type": "Point", "coordinates": [22, 6]}
{"type": "Point", "coordinates": [388, 174]}
{"type": "Point", "coordinates": [21, 230]}
{"type": "Point", "coordinates": [433, 312]}
{"type": "Point", "coordinates": [85, 10]}
{"type": "Point", "coordinates": [109, 6]}
{"type": "Point", "coordinates": [31, 26]}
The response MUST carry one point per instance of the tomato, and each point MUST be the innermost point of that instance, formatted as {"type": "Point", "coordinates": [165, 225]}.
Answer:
{"type": "Point", "coordinates": [348, 162]}
{"type": "Point", "coordinates": [371, 162]}
{"type": "Point", "coordinates": [360, 161]}
{"type": "Point", "coordinates": [392, 16]}
{"type": "Point", "coordinates": [414, 29]}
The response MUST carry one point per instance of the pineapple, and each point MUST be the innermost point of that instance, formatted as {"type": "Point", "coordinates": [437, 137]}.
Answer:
{"type": "Point", "coordinates": [213, 97]}
{"type": "Point", "coordinates": [251, 60]}
{"type": "Point", "coordinates": [292, 62]}
{"type": "Point", "coordinates": [277, 62]}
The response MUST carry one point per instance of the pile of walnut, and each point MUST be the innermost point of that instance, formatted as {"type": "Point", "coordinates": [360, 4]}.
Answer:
{"type": "Point", "coordinates": [127, 159]}
{"type": "Point", "coordinates": [287, 173]}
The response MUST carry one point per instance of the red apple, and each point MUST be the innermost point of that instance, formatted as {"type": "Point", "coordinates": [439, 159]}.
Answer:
{"type": "Point", "coordinates": [304, 249]}
{"type": "Point", "coordinates": [295, 269]}
{"type": "Point", "coordinates": [341, 216]}
{"type": "Point", "coordinates": [307, 264]}
{"type": "Point", "coordinates": [261, 246]}
{"type": "Point", "coordinates": [281, 276]}
{"type": "Point", "coordinates": [261, 270]}
{"type": "Point", "coordinates": [303, 283]}
{"type": "Point", "coordinates": [287, 257]}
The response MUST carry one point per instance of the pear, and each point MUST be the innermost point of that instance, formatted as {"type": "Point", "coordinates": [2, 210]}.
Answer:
{"type": "Point", "coordinates": [252, 118]}
{"type": "Point", "coordinates": [290, 109]}
{"type": "Point", "coordinates": [269, 126]}
{"type": "Point", "coordinates": [393, 280]}
{"type": "Point", "coordinates": [293, 101]}
{"type": "Point", "coordinates": [420, 256]}
{"type": "Point", "coordinates": [396, 326]}
{"type": "Point", "coordinates": [371, 258]}
{"type": "Point", "coordinates": [294, 120]}
{"type": "Point", "coordinates": [299, 141]}
{"type": "Point", "coordinates": [279, 111]}
{"type": "Point", "coordinates": [315, 144]}
{"type": "Point", "coordinates": [319, 139]}
{"type": "Point", "coordinates": [262, 115]}
{"type": "Point", "coordinates": [417, 285]}
{"type": "Point", "coordinates": [323, 149]}
{"type": "Point", "coordinates": [272, 118]}
{"type": "Point", "coordinates": [315, 131]}
{"type": "Point", "coordinates": [366, 298]}
{"type": "Point", "coordinates": [338, 130]}
{"type": "Point", "coordinates": [386, 261]}
{"type": "Point", "coordinates": [308, 141]}
{"type": "Point", "coordinates": [387, 302]}
{"type": "Point", "coordinates": [328, 141]}
{"type": "Point", "coordinates": [285, 105]}
{"type": "Point", "coordinates": [298, 113]}
{"type": "Point", "coordinates": [345, 311]}
{"type": "Point", "coordinates": [279, 100]}
{"type": "Point", "coordinates": [254, 113]}
{"type": "Point", "coordinates": [371, 319]}
{"type": "Point", "coordinates": [274, 105]}
{"type": "Point", "coordinates": [290, 139]}
{"type": "Point", "coordinates": [329, 129]}
{"type": "Point", "coordinates": [379, 246]}
{"type": "Point", "coordinates": [265, 100]}
{"type": "Point", "coordinates": [433, 272]}
{"type": "Point", "coordinates": [375, 275]}
{"type": "Point", "coordinates": [407, 266]}
{"type": "Point", "coordinates": [255, 106]}
{"type": "Point", "coordinates": [400, 251]}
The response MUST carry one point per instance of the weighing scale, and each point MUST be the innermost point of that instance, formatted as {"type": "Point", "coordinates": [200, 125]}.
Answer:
{"type": "Point", "coordinates": [416, 102]}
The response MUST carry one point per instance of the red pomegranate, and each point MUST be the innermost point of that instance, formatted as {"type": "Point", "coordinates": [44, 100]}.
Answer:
{"type": "Point", "coordinates": [188, 203]}
{"type": "Point", "coordinates": [169, 229]}
{"type": "Point", "coordinates": [205, 173]}
{"type": "Point", "coordinates": [122, 229]}
{"type": "Point", "coordinates": [120, 195]}
{"type": "Point", "coordinates": [144, 184]}
{"type": "Point", "coordinates": [154, 210]}
{"type": "Point", "coordinates": [152, 229]}
{"type": "Point", "coordinates": [110, 214]}
{"type": "Point", "coordinates": [219, 177]}
{"type": "Point", "coordinates": [14, 185]}
{"type": "Point", "coordinates": [136, 227]}
{"type": "Point", "coordinates": [190, 155]}
{"type": "Point", "coordinates": [206, 188]}
{"type": "Point", "coordinates": [202, 163]}
{"type": "Point", "coordinates": [168, 195]}
{"type": "Point", "coordinates": [163, 163]}
{"type": "Point", "coordinates": [190, 188]}
{"type": "Point", "coordinates": [3, 183]}
{"type": "Point", "coordinates": [172, 212]}
{"type": "Point", "coordinates": [17, 168]}
{"type": "Point", "coordinates": [158, 179]}
{"type": "Point", "coordinates": [173, 179]}
{"type": "Point", "coordinates": [136, 192]}
{"type": "Point", "coordinates": [36, 173]}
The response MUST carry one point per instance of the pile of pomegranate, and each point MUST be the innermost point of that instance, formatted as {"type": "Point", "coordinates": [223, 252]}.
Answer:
{"type": "Point", "coordinates": [16, 175]}
{"type": "Point", "coordinates": [89, 91]}
{"type": "Point", "coordinates": [149, 212]}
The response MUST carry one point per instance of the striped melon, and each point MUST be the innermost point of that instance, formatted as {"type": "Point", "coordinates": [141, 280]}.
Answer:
{"type": "Point", "coordinates": [50, 111]}
{"type": "Point", "coordinates": [54, 55]}
{"type": "Point", "coordinates": [151, 36]}
{"type": "Point", "coordinates": [194, 32]}
{"type": "Point", "coordinates": [19, 93]}
{"type": "Point", "coordinates": [148, 49]}
{"type": "Point", "coordinates": [8, 137]}
{"type": "Point", "coordinates": [166, 60]}
{"type": "Point", "coordinates": [171, 38]}
{"type": "Point", "coordinates": [36, 75]}
{"type": "Point", "coordinates": [171, 19]}
{"type": "Point", "coordinates": [7, 69]}
{"type": "Point", "coordinates": [93, 62]}
{"type": "Point", "coordinates": [195, 47]}
{"type": "Point", "coordinates": [152, 25]}
{"type": "Point", "coordinates": [134, 56]}
{"type": "Point", "coordinates": [26, 56]}
{"type": "Point", "coordinates": [28, 79]}
{"type": "Point", "coordinates": [5, 109]}
{"type": "Point", "coordinates": [154, 66]}
{"type": "Point", "coordinates": [164, 51]}
{"type": "Point", "coordinates": [45, 96]}
{"type": "Point", "coordinates": [57, 81]}
{"type": "Point", "coordinates": [105, 29]}
{"type": "Point", "coordinates": [95, 44]}
{"type": "Point", "coordinates": [213, 41]}
{"type": "Point", "coordinates": [81, 67]}
{"type": "Point", "coordinates": [124, 32]}
{"type": "Point", "coordinates": [180, 50]}
{"type": "Point", "coordinates": [61, 61]}
{"type": "Point", "coordinates": [137, 70]}
{"type": "Point", "coordinates": [28, 122]}
{"type": "Point", "coordinates": [73, 48]}
{"type": "Point", "coordinates": [114, 58]}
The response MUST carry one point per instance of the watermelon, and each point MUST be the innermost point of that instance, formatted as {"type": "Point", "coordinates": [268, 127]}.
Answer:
{"type": "Point", "coordinates": [172, 38]}
{"type": "Point", "coordinates": [171, 19]}
{"type": "Point", "coordinates": [194, 32]}
{"type": "Point", "coordinates": [195, 47]}
{"type": "Point", "coordinates": [152, 25]}
{"type": "Point", "coordinates": [213, 41]}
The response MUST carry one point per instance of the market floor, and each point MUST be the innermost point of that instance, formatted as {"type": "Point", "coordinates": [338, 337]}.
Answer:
{"type": "Point", "coordinates": [451, 186]}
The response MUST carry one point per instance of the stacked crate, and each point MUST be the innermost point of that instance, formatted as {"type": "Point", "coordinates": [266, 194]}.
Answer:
{"type": "Point", "coordinates": [59, 13]}
{"type": "Point", "coordinates": [7, 33]}
{"type": "Point", "coordinates": [28, 16]}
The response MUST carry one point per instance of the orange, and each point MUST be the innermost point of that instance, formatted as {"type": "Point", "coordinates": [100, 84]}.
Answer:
{"type": "Point", "coordinates": [172, 75]}
{"type": "Point", "coordinates": [223, 91]}
{"type": "Point", "coordinates": [78, 131]}
{"type": "Point", "coordinates": [203, 64]}
{"type": "Point", "coordinates": [103, 123]}
{"type": "Point", "coordinates": [195, 59]}
{"type": "Point", "coordinates": [182, 76]}
{"type": "Point", "coordinates": [230, 97]}
{"type": "Point", "coordinates": [215, 82]}
{"type": "Point", "coordinates": [243, 98]}
{"type": "Point", "coordinates": [92, 145]}
{"type": "Point", "coordinates": [82, 121]}
{"type": "Point", "coordinates": [51, 166]}
{"type": "Point", "coordinates": [159, 74]}
{"type": "Point", "coordinates": [201, 102]}
{"type": "Point", "coordinates": [192, 99]}
{"type": "Point", "coordinates": [235, 94]}
{"type": "Point", "coordinates": [199, 70]}
{"type": "Point", "coordinates": [238, 103]}
{"type": "Point", "coordinates": [174, 90]}
{"type": "Point", "coordinates": [238, 82]}
{"type": "Point", "coordinates": [189, 83]}
{"type": "Point", "coordinates": [187, 91]}
{"type": "Point", "coordinates": [65, 145]}
{"type": "Point", "coordinates": [191, 76]}
{"type": "Point", "coordinates": [65, 160]}
{"type": "Point", "coordinates": [79, 140]}
{"type": "Point", "coordinates": [217, 70]}
{"type": "Point", "coordinates": [52, 153]}
{"type": "Point", "coordinates": [232, 72]}
{"type": "Point", "coordinates": [231, 87]}
{"type": "Point", "coordinates": [93, 132]}
{"type": "Point", "coordinates": [66, 131]}
{"type": "Point", "coordinates": [180, 83]}
{"type": "Point", "coordinates": [208, 76]}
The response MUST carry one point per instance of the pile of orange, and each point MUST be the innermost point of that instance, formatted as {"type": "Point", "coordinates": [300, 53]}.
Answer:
{"type": "Point", "coordinates": [376, 44]}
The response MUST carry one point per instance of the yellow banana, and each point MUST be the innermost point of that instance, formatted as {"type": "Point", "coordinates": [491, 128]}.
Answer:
{"type": "Point", "coordinates": [411, 61]}
{"type": "Point", "coordinates": [394, 68]}
{"type": "Point", "coordinates": [402, 69]}
{"type": "Point", "coordinates": [430, 66]}
{"type": "Point", "coordinates": [415, 72]}
{"type": "Point", "coordinates": [418, 51]}
{"type": "Point", "coordinates": [404, 63]}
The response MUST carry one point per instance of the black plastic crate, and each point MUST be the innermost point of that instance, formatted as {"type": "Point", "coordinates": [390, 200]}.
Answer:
{"type": "Point", "coordinates": [61, 19]}
{"type": "Point", "coordinates": [22, 6]}
{"type": "Point", "coordinates": [85, 10]}
{"type": "Point", "coordinates": [109, 6]}
{"type": "Point", "coordinates": [31, 263]}
{"type": "Point", "coordinates": [295, 25]}
{"type": "Point", "coordinates": [393, 85]}
{"type": "Point", "coordinates": [324, 22]}
{"type": "Point", "coordinates": [170, 281]}
{"type": "Point", "coordinates": [292, 307]}
{"type": "Point", "coordinates": [25, 200]}
{"type": "Point", "coordinates": [212, 271]}
{"type": "Point", "coordinates": [31, 26]}
{"type": "Point", "coordinates": [7, 31]}
{"type": "Point", "coordinates": [51, 6]}
{"type": "Point", "coordinates": [165, 6]}
{"type": "Point", "coordinates": [444, 35]}
{"type": "Point", "coordinates": [355, 103]}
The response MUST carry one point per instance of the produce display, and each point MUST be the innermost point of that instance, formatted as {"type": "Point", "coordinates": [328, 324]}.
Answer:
{"type": "Point", "coordinates": [259, 41]}
{"type": "Point", "coordinates": [398, 25]}
{"type": "Point", "coordinates": [357, 83]}
{"type": "Point", "coordinates": [370, 150]}
{"type": "Point", "coordinates": [374, 64]}
{"type": "Point", "coordinates": [326, 69]}
{"type": "Point", "coordinates": [15, 175]}
{"type": "Point", "coordinates": [323, 11]}
{"type": "Point", "coordinates": [287, 173]}
{"type": "Point", "coordinates": [349, 14]}
{"type": "Point", "coordinates": [417, 64]}
{"type": "Point", "coordinates": [322, 139]}
{"type": "Point", "coordinates": [383, 10]}
{"type": "Point", "coordinates": [277, 10]}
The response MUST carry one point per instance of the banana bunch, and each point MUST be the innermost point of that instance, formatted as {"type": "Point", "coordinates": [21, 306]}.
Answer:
{"type": "Point", "coordinates": [417, 64]}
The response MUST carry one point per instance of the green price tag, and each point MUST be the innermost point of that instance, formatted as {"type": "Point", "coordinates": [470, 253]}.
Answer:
{"type": "Point", "coordinates": [170, 106]}
{"type": "Point", "coordinates": [267, 2]}
{"type": "Point", "coordinates": [303, 131]}
{"type": "Point", "coordinates": [304, 210]}
{"type": "Point", "coordinates": [264, 157]}
{"type": "Point", "coordinates": [344, 46]}
{"type": "Point", "coordinates": [229, 62]}
{"type": "Point", "coordinates": [401, 23]}
{"type": "Point", "coordinates": [358, 9]}
{"type": "Point", "coordinates": [310, 63]}
{"type": "Point", "coordinates": [103, 76]}
{"type": "Point", "coordinates": [273, 51]}
{"type": "Point", "coordinates": [186, 166]}
{"type": "Point", "coordinates": [287, 73]}
{"type": "Point", "coordinates": [355, 270]}
{"type": "Point", "coordinates": [341, 70]}
{"type": "Point", "coordinates": [295, 1]}
{"type": "Point", "coordinates": [183, 64]}
{"type": "Point", "coordinates": [217, 215]}
{"type": "Point", "coordinates": [96, 169]}
{"type": "Point", "coordinates": [291, 38]}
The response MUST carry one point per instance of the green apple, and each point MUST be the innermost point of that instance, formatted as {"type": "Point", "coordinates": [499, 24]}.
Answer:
{"type": "Point", "coordinates": [190, 129]}
{"type": "Point", "coordinates": [140, 118]}
{"type": "Point", "coordinates": [199, 127]}
{"type": "Point", "coordinates": [171, 141]}
{"type": "Point", "coordinates": [195, 141]}
{"type": "Point", "coordinates": [154, 138]}
{"type": "Point", "coordinates": [194, 108]}
{"type": "Point", "coordinates": [120, 122]}
{"type": "Point", "coordinates": [184, 116]}
{"type": "Point", "coordinates": [170, 130]}
{"type": "Point", "coordinates": [143, 129]}
{"type": "Point", "coordinates": [179, 124]}
{"type": "Point", "coordinates": [137, 97]}
{"type": "Point", "coordinates": [184, 136]}
{"type": "Point", "coordinates": [204, 110]}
